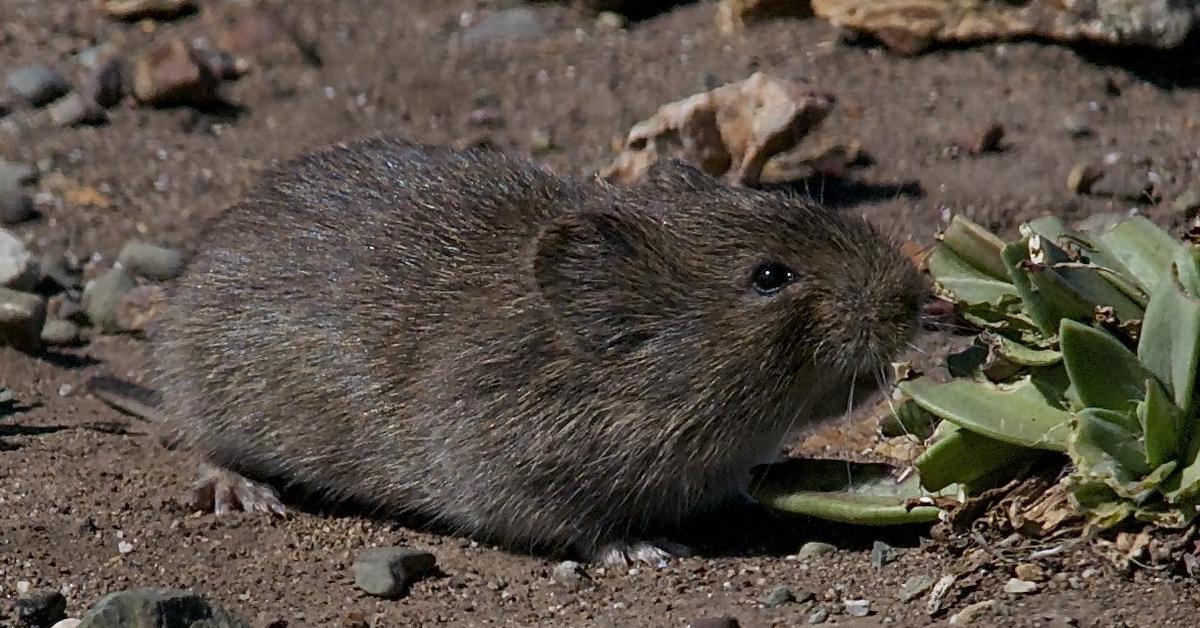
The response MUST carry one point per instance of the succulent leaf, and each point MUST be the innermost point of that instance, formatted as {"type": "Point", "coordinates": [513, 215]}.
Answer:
{"type": "Point", "coordinates": [1105, 374]}
{"type": "Point", "coordinates": [1020, 414]}
{"type": "Point", "coordinates": [962, 457]}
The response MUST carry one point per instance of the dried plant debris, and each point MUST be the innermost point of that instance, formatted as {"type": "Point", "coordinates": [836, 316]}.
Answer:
{"type": "Point", "coordinates": [731, 131]}
{"type": "Point", "coordinates": [912, 26]}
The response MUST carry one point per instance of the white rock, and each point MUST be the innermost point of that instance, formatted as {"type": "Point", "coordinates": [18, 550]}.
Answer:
{"type": "Point", "coordinates": [18, 268]}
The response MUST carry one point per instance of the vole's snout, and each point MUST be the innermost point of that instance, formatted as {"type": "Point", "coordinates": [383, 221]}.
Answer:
{"type": "Point", "coordinates": [879, 306]}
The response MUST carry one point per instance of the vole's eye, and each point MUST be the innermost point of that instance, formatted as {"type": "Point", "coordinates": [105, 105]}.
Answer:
{"type": "Point", "coordinates": [771, 277]}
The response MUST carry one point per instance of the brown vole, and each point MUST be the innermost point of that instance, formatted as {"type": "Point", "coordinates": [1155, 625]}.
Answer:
{"type": "Point", "coordinates": [542, 361]}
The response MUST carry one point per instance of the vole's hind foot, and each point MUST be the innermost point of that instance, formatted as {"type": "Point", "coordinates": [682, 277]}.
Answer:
{"type": "Point", "coordinates": [222, 491]}
{"type": "Point", "coordinates": [656, 553]}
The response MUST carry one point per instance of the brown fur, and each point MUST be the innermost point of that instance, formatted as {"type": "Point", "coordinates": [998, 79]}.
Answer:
{"type": "Point", "coordinates": [544, 361]}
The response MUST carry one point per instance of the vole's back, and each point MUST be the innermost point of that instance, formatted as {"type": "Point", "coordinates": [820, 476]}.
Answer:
{"type": "Point", "coordinates": [319, 334]}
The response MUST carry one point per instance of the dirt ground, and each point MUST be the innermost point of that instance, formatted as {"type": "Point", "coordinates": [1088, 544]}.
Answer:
{"type": "Point", "coordinates": [77, 478]}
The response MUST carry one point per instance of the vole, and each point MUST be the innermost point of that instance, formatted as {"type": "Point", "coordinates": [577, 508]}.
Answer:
{"type": "Point", "coordinates": [543, 361]}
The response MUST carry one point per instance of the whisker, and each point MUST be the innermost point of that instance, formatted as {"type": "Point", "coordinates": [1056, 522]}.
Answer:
{"type": "Point", "coordinates": [941, 326]}
{"type": "Point", "coordinates": [918, 350]}
{"type": "Point", "coordinates": [846, 421]}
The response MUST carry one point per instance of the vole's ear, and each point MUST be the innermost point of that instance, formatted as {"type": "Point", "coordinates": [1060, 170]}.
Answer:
{"type": "Point", "coordinates": [676, 175]}
{"type": "Point", "coordinates": [603, 275]}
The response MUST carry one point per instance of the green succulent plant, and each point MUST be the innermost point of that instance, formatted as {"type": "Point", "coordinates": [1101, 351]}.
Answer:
{"type": "Point", "coordinates": [1089, 347]}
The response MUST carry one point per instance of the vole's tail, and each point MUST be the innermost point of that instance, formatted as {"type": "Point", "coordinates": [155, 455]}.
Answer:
{"type": "Point", "coordinates": [128, 397]}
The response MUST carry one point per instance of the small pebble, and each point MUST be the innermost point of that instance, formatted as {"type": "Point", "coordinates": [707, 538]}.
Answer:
{"type": "Point", "coordinates": [915, 587]}
{"type": "Point", "coordinates": [857, 608]}
{"type": "Point", "coordinates": [41, 609]}
{"type": "Point", "coordinates": [22, 316]}
{"type": "Point", "coordinates": [882, 554]}
{"type": "Point", "coordinates": [611, 20]}
{"type": "Point", "coordinates": [1191, 565]}
{"type": "Point", "coordinates": [124, 547]}
{"type": "Point", "coordinates": [70, 622]}
{"type": "Point", "coordinates": [819, 615]}
{"type": "Point", "coordinates": [714, 622]}
{"type": "Point", "coordinates": [77, 109]}
{"type": "Point", "coordinates": [779, 596]}
{"type": "Point", "coordinates": [18, 268]}
{"type": "Point", "coordinates": [985, 141]}
{"type": "Point", "coordinates": [1030, 572]}
{"type": "Point", "coordinates": [815, 548]}
{"type": "Point", "coordinates": [105, 86]}
{"type": "Point", "coordinates": [60, 333]}
{"type": "Point", "coordinates": [1018, 586]}
{"type": "Point", "coordinates": [938, 593]}
{"type": "Point", "coordinates": [487, 116]}
{"type": "Point", "coordinates": [388, 571]}
{"type": "Point", "coordinates": [145, 9]}
{"type": "Point", "coordinates": [1082, 177]}
{"type": "Point", "coordinates": [137, 307]}
{"type": "Point", "coordinates": [1187, 203]}
{"type": "Point", "coordinates": [173, 73]}
{"type": "Point", "coordinates": [509, 24]}
{"type": "Point", "coordinates": [568, 573]}
{"type": "Point", "coordinates": [102, 298]}
{"type": "Point", "coordinates": [540, 141]}
{"type": "Point", "coordinates": [37, 85]}
{"type": "Point", "coordinates": [15, 204]}
{"type": "Point", "coordinates": [1077, 126]}
{"type": "Point", "coordinates": [65, 391]}
{"type": "Point", "coordinates": [972, 612]}
{"type": "Point", "coordinates": [150, 261]}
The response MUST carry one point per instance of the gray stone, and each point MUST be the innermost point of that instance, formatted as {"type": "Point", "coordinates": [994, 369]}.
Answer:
{"type": "Point", "coordinates": [509, 24]}
{"type": "Point", "coordinates": [150, 261]}
{"type": "Point", "coordinates": [41, 608]}
{"type": "Point", "coordinates": [972, 612]}
{"type": "Point", "coordinates": [1077, 126]}
{"type": "Point", "coordinates": [1018, 586]}
{"type": "Point", "coordinates": [388, 571]}
{"type": "Point", "coordinates": [857, 608]}
{"type": "Point", "coordinates": [155, 608]}
{"type": "Point", "coordinates": [18, 268]}
{"type": "Point", "coordinates": [779, 596]}
{"type": "Point", "coordinates": [37, 84]}
{"type": "Point", "coordinates": [815, 548]}
{"type": "Point", "coordinates": [819, 615]}
{"type": "Point", "coordinates": [77, 109]}
{"type": "Point", "coordinates": [102, 297]}
{"type": "Point", "coordinates": [22, 316]}
{"type": "Point", "coordinates": [915, 587]}
{"type": "Point", "coordinates": [568, 573]}
{"type": "Point", "coordinates": [1187, 203]}
{"type": "Point", "coordinates": [882, 554]}
{"type": "Point", "coordinates": [15, 204]}
{"type": "Point", "coordinates": [60, 333]}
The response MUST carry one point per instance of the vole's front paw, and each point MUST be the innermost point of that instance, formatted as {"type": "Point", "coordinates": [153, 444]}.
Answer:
{"type": "Point", "coordinates": [656, 553]}
{"type": "Point", "coordinates": [221, 492]}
